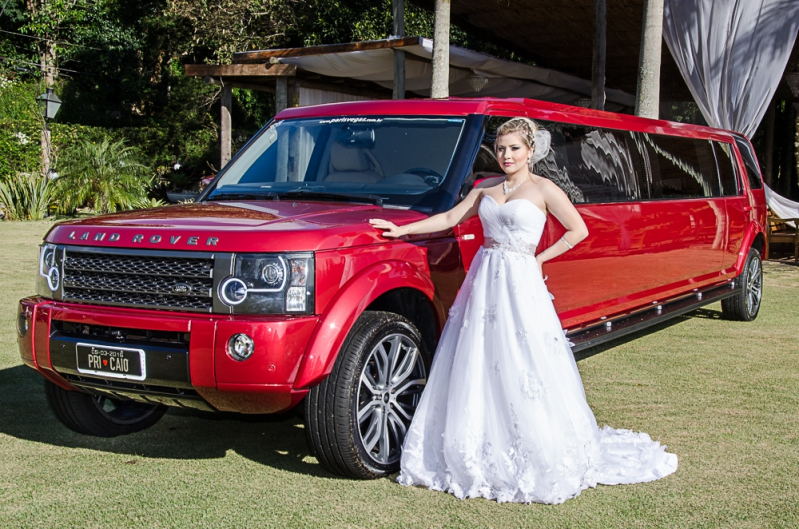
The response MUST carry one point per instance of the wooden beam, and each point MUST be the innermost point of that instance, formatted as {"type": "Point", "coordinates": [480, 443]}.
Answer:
{"type": "Point", "coordinates": [264, 55]}
{"type": "Point", "coordinates": [600, 51]}
{"type": "Point", "coordinates": [225, 129]}
{"type": "Point", "coordinates": [240, 70]}
{"type": "Point", "coordinates": [440, 84]}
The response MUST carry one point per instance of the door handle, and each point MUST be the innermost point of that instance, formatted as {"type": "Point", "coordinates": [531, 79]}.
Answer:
{"type": "Point", "coordinates": [747, 208]}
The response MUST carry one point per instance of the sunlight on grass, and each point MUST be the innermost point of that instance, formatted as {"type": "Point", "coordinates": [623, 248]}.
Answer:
{"type": "Point", "coordinates": [723, 396]}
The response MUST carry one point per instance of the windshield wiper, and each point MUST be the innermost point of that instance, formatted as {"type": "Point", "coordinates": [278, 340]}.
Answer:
{"type": "Point", "coordinates": [324, 195]}
{"type": "Point", "coordinates": [241, 196]}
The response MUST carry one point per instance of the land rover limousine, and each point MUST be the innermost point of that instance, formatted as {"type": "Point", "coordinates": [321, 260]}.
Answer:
{"type": "Point", "coordinates": [272, 291]}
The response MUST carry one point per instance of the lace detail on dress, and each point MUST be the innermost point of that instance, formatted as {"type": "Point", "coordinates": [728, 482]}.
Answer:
{"type": "Point", "coordinates": [490, 315]}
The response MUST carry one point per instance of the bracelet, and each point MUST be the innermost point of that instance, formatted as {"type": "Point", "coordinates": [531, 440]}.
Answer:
{"type": "Point", "coordinates": [569, 246]}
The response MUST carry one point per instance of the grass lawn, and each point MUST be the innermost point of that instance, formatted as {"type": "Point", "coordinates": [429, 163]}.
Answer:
{"type": "Point", "coordinates": [722, 395]}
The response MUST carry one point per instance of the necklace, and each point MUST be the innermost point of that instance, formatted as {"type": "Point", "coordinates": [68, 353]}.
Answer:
{"type": "Point", "coordinates": [507, 189]}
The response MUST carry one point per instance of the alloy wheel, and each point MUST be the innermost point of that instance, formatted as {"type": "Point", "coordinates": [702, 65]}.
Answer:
{"type": "Point", "coordinates": [754, 287]}
{"type": "Point", "coordinates": [389, 390]}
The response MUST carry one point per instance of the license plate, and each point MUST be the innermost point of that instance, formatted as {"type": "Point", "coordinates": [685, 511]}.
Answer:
{"type": "Point", "coordinates": [111, 361]}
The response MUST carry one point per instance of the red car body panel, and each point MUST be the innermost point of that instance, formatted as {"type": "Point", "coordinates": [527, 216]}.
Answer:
{"type": "Point", "coordinates": [637, 253]}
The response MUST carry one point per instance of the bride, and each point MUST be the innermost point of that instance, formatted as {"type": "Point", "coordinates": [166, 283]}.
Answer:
{"type": "Point", "coordinates": [504, 414]}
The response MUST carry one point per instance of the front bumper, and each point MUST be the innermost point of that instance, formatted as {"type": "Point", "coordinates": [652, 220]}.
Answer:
{"type": "Point", "coordinates": [187, 362]}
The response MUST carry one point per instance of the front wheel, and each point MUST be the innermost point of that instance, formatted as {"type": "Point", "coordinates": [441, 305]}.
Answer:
{"type": "Point", "coordinates": [100, 416]}
{"type": "Point", "coordinates": [357, 418]}
{"type": "Point", "coordinates": [745, 304]}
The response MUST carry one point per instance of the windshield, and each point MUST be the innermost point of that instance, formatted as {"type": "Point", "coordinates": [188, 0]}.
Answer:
{"type": "Point", "coordinates": [399, 160]}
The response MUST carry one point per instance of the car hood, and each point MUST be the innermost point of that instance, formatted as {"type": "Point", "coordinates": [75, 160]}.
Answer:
{"type": "Point", "coordinates": [245, 226]}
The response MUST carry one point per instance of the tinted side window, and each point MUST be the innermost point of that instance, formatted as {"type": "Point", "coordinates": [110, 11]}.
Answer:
{"type": "Point", "coordinates": [681, 167]}
{"type": "Point", "coordinates": [593, 165]}
{"type": "Point", "coordinates": [750, 161]}
{"type": "Point", "coordinates": [726, 163]}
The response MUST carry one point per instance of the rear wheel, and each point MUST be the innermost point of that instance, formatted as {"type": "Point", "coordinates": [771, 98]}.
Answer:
{"type": "Point", "coordinates": [357, 418]}
{"type": "Point", "coordinates": [745, 304]}
{"type": "Point", "coordinates": [100, 416]}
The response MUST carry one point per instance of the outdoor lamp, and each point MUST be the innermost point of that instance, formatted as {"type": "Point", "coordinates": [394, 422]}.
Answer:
{"type": "Point", "coordinates": [49, 104]}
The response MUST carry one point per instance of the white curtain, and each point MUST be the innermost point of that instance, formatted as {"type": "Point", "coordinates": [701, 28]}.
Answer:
{"type": "Point", "coordinates": [732, 54]}
{"type": "Point", "coordinates": [781, 206]}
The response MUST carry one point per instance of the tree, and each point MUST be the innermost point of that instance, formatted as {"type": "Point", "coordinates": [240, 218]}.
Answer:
{"type": "Point", "coordinates": [223, 27]}
{"type": "Point", "coordinates": [107, 176]}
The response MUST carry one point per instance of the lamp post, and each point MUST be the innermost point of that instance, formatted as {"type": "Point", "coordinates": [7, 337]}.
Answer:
{"type": "Point", "coordinates": [48, 106]}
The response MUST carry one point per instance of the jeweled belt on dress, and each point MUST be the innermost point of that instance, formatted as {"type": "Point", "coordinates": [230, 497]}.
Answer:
{"type": "Point", "coordinates": [524, 249]}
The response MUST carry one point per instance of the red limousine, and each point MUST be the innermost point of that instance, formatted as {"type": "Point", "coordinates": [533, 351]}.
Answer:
{"type": "Point", "coordinates": [273, 290]}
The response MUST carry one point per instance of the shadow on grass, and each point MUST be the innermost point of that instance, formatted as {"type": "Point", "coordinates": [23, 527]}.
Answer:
{"type": "Point", "coordinates": [277, 441]}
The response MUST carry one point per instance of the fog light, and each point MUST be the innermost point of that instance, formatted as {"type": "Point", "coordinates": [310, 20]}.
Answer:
{"type": "Point", "coordinates": [22, 325]}
{"type": "Point", "coordinates": [295, 299]}
{"type": "Point", "coordinates": [240, 347]}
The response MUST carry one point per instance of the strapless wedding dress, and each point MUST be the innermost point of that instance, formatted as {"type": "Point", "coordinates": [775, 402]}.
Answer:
{"type": "Point", "coordinates": [504, 414]}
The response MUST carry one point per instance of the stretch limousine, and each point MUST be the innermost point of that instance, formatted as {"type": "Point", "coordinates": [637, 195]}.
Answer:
{"type": "Point", "coordinates": [273, 289]}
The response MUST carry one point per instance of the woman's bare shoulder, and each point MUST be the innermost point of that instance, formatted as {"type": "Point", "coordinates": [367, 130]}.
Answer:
{"type": "Point", "coordinates": [548, 187]}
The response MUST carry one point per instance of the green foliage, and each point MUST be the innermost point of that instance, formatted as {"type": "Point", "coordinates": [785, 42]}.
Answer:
{"type": "Point", "coordinates": [223, 27]}
{"type": "Point", "coordinates": [20, 148]}
{"type": "Point", "coordinates": [146, 203]}
{"type": "Point", "coordinates": [107, 176]}
{"type": "Point", "coordinates": [18, 99]}
{"type": "Point", "coordinates": [26, 196]}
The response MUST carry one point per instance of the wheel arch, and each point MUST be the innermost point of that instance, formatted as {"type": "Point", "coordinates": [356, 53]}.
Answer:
{"type": "Point", "coordinates": [760, 244]}
{"type": "Point", "coordinates": [388, 285]}
{"type": "Point", "coordinates": [753, 238]}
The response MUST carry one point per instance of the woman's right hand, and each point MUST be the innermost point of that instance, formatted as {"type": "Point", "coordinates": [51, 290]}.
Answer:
{"type": "Point", "coordinates": [390, 229]}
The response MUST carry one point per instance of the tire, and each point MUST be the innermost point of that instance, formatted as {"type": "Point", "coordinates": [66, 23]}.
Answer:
{"type": "Point", "coordinates": [378, 376]}
{"type": "Point", "coordinates": [100, 416]}
{"type": "Point", "coordinates": [745, 304]}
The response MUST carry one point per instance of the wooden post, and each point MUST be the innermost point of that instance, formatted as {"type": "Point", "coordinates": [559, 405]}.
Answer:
{"type": "Point", "coordinates": [647, 97]}
{"type": "Point", "coordinates": [398, 12]}
{"type": "Point", "coordinates": [598, 67]}
{"type": "Point", "coordinates": [281, 94]}
{"type": "Point", "coordinates": [787, 152]}
{"type": "Point", "coordinates": [770, 144]}
{"type": "Point", "coordinates": [795, 169]}
{"type": "Point", "coordinates": [225, 132]}
{"type": "Point", "coordinates": [440, 84]}
{"type": "Point", "coordinates": [45, 141]}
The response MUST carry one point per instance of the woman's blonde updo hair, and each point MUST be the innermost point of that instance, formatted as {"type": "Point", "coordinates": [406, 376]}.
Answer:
{"type": "Point", "coordinates": [524, 127]}
{"type": "Point", "coordinates": [534, 137]}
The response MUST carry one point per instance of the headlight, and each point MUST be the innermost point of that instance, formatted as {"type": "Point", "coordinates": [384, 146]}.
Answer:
{"type": "Point", "coordinates": [49, 279]}
{"type": "Point", "coordinates": [270, 284]}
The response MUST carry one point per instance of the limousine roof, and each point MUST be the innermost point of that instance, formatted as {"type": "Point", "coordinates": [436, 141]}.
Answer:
{"type": "Point", "coordinates": [537, 110]}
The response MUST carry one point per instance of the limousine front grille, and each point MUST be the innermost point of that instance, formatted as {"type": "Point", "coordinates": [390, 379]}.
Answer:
{"type": "Point", "coordinates": [147, 281]}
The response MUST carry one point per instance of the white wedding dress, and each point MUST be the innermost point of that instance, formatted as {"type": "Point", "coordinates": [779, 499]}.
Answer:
{"type": "Point", "coordinates": [504, 414]}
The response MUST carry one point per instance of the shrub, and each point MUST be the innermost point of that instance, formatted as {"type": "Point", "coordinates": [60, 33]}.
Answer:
{"type": "Point", "coordinates": [26, 196]}
{"type": "Point", "coordinates": [105, 175]}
